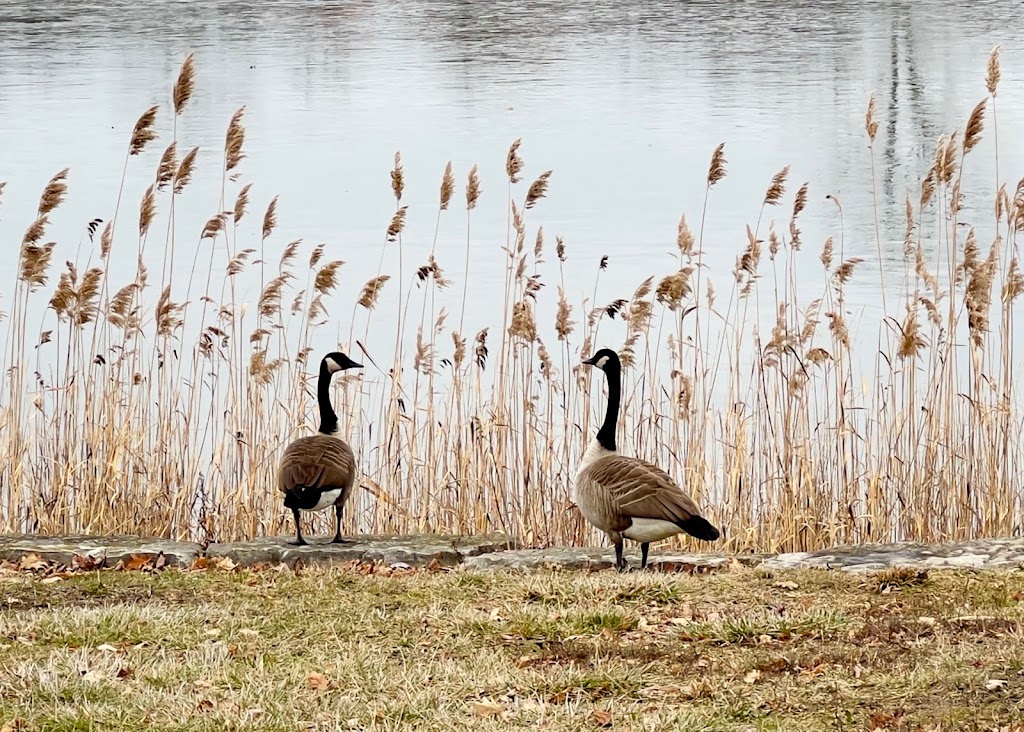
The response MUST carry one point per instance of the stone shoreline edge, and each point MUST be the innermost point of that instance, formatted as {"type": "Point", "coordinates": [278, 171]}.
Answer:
{"type": "Point", "coordinates": [496, 551]}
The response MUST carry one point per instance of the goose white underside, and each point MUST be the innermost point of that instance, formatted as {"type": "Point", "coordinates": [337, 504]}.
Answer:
{"type": "Point", "coordinates": [646, 529]}
{"type": "Point", "coordinates": [327, 499]}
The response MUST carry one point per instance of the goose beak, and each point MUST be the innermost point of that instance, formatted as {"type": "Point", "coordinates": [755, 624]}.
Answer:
{"type": "Point", "coordinates": [590, 361]}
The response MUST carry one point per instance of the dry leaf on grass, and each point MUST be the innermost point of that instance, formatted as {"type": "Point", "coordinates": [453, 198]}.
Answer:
{"type": "Point", "coordinates": [32, 562]}
{"type": "Point", "coordinates": [786, 585]}
{"type": "Point", "coordinates": [135, 563]}
{"type": "Point", "coordinates": [225, 564]}
{"type": "Point", "coordinates": [601, 718]}
{"type": "Point", "coordinates": [994, 684]}
{"type": "Point", "coordinates": [15, 725]}
{"type": "Point", "coordinates": [317, 681]}
{"type": "Point", "coordinates": [86, 563]}
{"type": "Point", "coordinates": [488, 709]}
{"type": "Point", "coordinates": [752, 676]}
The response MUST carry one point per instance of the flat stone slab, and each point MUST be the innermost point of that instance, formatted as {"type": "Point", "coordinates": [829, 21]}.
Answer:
{"type": "Point", "coordinates": [596, 558]}
{"type": "Point", "coordinates": [109, 549]}
{"type": "Point", "coordinates": [974, 554]}
{"type": "Point", "coordinates": [417, 550]}
{"type": "Point", "coordinates": [497, 551]}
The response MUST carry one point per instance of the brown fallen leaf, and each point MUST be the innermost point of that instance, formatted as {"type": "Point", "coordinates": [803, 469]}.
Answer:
{"type": "Point", "coordinates": [601, 718]}
{"type": "Point", "coordinates": [32, 562]}
{"type": "Point", "coordinates": [51, 580]}
{"type": "Point", "coordinates": [15, 725]}
{"type": "Point", "coordinates": [225, 564]}
{"type": "Point", "coordinates": [86, 563]}
{"type": "Point", "coordinates": [786, 585]}
{"type": "Point", "coordinates": [136, 563]}
{"type": "Point", "coordinates": [160, 562]}
{"type": "Point", "coordinates": [434, 565]}
{"type": "Point", "coordinates": [200, 563]}
{"type": "Point", "coordinates": [317, 681]}
{"type": "Point", "coordinates": [488, 709]}
{"type": "Point", "coordinates": [880, 720]}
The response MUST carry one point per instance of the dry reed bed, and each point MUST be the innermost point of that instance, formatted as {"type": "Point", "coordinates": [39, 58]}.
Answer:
{"type": "Point", "coordinates": [163, 412]}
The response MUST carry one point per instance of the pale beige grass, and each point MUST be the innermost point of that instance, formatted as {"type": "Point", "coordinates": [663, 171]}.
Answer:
{"type": "Point", "coordinates": [334, 649]}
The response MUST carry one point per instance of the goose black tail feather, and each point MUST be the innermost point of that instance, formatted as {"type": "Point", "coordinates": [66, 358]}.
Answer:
{"type": "Point", "coordinates": [700, 528]}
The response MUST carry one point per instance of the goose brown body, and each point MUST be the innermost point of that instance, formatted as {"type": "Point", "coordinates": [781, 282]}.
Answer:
{"type": "Point", "coordinates": [319, 471]}
{"type": "Point", "coordinates": [627, 497]}
{"type": "Point", "coordinates": [638, 500]}
{"type": "Point", "coordinates": [316, 472]}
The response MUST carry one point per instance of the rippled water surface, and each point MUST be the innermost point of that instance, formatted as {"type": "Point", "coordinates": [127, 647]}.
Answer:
{"type": "Point", "coordinates": [624, 101]}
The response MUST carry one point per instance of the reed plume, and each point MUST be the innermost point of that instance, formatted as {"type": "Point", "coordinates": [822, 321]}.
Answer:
{"type": "Point", "coordinates": [716, 171]}
{"type": "Point", "coordinates": [143, 133]}
{"type": "Point", "coordinates": [185, 84]}
{"type": "Point", "coordinates": [233, 141]}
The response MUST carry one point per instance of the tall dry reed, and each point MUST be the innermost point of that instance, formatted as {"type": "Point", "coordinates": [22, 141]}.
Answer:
{"type": "Point", "coordinates": [160, 405]}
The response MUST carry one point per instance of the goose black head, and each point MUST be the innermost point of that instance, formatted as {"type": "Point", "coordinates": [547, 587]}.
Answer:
{"type": "Point", "coordinates": [605, 359]}
{"type": "Point", "coordinates": [338, 361]}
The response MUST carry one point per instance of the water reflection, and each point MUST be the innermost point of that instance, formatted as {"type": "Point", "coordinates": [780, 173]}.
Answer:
{"type": "Point", "coordinates": [625, 101]}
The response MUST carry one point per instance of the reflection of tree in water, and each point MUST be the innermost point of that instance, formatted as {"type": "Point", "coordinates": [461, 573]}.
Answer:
{"type": "Point", "coordinates": [904, 164]}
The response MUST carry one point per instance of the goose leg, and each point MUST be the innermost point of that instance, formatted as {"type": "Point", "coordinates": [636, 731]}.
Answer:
{"type": "Point", "coordinates": [643, 554]}
{"type": "Point", "coordinates": [299, 541]}
{"type": "Point", "coordinates": [620, 562]}
{"type": "Point", "coordinates": [337, 533]}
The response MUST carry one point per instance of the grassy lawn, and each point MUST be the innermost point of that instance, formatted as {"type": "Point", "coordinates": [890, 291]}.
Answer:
{"type": "Point", "coordinates": [344, 649]}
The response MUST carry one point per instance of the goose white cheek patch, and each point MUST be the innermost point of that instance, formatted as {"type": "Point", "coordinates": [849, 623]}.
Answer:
{"type": "Point", "coordinates": [601, 362]}
{"type": "Point", "coordinates": [333, 366]}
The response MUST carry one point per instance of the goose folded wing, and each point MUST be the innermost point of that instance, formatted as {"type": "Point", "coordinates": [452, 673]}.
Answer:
{"type": "Point", "coordinates": [317, 466]}
{"type": "Point", "coordinates": [299, 476]}
{"type": "Point", "coordinates": [640, 489]}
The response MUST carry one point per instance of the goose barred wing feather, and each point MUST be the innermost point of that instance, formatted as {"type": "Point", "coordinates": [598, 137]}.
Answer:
{"type": "Point", "coordinates": [639, 489]}
{"type": "Point", "coordinates": [318, 462]}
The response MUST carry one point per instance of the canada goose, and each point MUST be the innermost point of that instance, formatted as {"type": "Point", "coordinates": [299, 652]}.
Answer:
{"type": "Point", "coordinates": [629, 498]}
{"type": "Point", "coordinates": [318, 471]}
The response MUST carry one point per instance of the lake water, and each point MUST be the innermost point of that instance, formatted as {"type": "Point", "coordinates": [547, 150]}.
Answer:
{"type": "Point", "coordinates": [624, 101]}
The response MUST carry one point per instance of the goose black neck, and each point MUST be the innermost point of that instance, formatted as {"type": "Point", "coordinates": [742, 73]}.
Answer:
{"type": "Point", "coordinates": [606, 435]}
{"type": "Point", "coordinates": [328, 419]}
